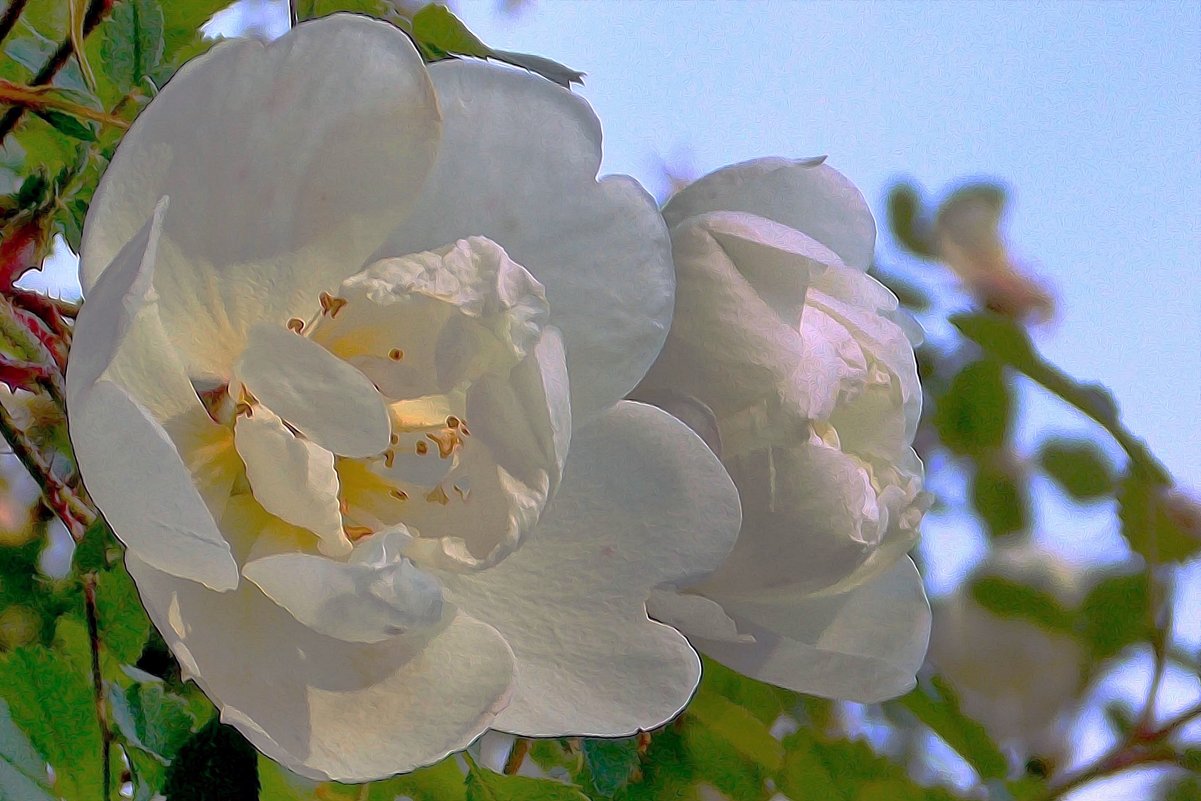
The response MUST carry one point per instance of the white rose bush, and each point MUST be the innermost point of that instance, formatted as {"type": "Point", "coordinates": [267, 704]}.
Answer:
{"type": "Point", "coordinates": [387, 435]}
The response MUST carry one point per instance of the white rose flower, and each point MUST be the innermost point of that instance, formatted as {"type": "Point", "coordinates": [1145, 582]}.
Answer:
{"type": "Point", "coordinates": [351, 398]}
{"type": "Point", "coordinates": [1021, 680]}
{"type": "Point", "coordinates": [797, 368]}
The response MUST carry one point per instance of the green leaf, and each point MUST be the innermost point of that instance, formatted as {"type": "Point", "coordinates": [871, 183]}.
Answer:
{"type": "Point", "coordinates": [151, 718]}
{"type": "Point", "coordinates": [1078, 467]}
{"type": "Point", "coordinates": [934, 703]}
{"type": "Point", "coordinates": [905, 219]}
{"type": "Point", "coordinates": [442, 782]}
{"type": "Point", "coordinates": [762, 700]}
{"type": "Point", "coordinates": [714, 760]}
{"type": "Point", "coordinates": [609, 764]}
{"type": "Point", "coordinates": [277, 784]}
{"type": "Point", "coordinates": [311, 9]}
{"type": "Point", "coordinates": [1116, 614]}
{"type": "Point", "coordinates": [92, 552]}
{"type": "Point", "coordinates": [124, 626]}
{"type": "Point", "coordinates": [484, 785]}
{"type": "Point", "coordinates": [1007, 598]}
{"type": "Point", "coordinates": [51, 701]}
{"type": "Point", "coordinates": [68, 125]}
{"type": "Point", "coordinates": [216, 763]}
{"type": "Point", "coordinates": [999, 495]}
{"type": "Point", "coordinates": [975, 414]}
{"type": "Point", "coordinates": [1147, 523]}
{"type": "Point", "coordinates": [132, 47]}
{"type": "Point", "coordinates": [22, 770]}
{"type": "Point", "coordinates": [439, 33]}
{"type": "Point", "coordinates": [748, 735]}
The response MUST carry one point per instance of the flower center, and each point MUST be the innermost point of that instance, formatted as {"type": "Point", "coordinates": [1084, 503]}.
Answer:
{"type": "Point", "coordinates": [355, 421]}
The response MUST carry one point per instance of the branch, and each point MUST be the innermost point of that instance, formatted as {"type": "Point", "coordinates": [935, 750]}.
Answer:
{"type": "Point", "coordinates": [96, 12]}
{"type": "Point", "coordinates": [12, 13]}
{"type": "Point", "coordinates": [38, 98]}
{"type": "Point", "coordinates": [106, 735]}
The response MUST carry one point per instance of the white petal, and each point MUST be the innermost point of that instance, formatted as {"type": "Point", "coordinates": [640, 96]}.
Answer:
{"type": "Point", "coordinates": [323, 397]}
{"type": "Point", "coordinates": [813, 198]}
{"type": "Point", "coordinates": [364, 600]}
{"type": "Point", "coordinates": [728, 346]}
{"type": "Point", "coordinates": [810, 518]}
{"type": "Point", "coordinates": [123, 375]}
{"type": "Point", "coordinates": [518, 165]}
{"type": "Point", "coordinates": [134, 473]}
{"type": "Point", "coordinates": [286, 163]}
{"type": "Point", "coordinates": [693, 615]}
{"type": "Point", "coordinates": [643, 501]}
{"type": "Point", "coordinates": [325, 708]}
{"type": "Point", "coordinates": [862, 645]}
{"type": "Point", "coordinates": [292, 478]}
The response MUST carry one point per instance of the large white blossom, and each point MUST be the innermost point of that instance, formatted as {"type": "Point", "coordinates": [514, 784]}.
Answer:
{"type": "Point", "coordinates": [798, 369]}
{"type": "Point", "coordinates": [348, 385]}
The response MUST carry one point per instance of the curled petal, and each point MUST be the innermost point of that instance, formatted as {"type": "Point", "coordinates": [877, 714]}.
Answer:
{"type": "Point", "coordinates": [807, 195]}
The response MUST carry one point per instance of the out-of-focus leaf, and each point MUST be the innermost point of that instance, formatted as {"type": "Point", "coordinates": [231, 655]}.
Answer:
{"type": "Point", "coordinates": [904, 217]}
{"type": "Point", "coordinates": [216, 762]}
{"type": "Point", "coordinates": [976, 413]}
{"type": "Point", "coordinates": [999, 495]}
{"type": "Point", "coordinates": [124, 625]}
{"type": "Point", "coordinates": [934, 703]}
{"type": "Point", "coordinates": [151, 718]}
{"type": "Point", "coordinates": [22, 770]}
{"type": "Point", "coordinates": [439, 33]}
{"type": "Point", "coordinates": [764, 701]}
{"type": "Point", "coordinates": [1146, 524]}
{"type": "Point", "coordinates": [51, 701]}
{"type": "Point", "coordinates": [132, 47]}
{"type": "Point", "coordinates": [1078, 467]}
{"type": "Point", "coordinates": [609, 764]}
{"type": "Point", "coordinates": [484, 785]}
{"type": "Point", "coordinates": [1116, 613]}
{"type": "Point", "coordinates": [748, 735]}
{"type": "Point", "coordinates": [92, 552]}
{"type": "Point", "coordinates": [1007, 598]}
{"type": "Point", "coordinates": [278, 785]}
{"type": "Point", "coordinates": [311, 9]}
{"type": "Point", "coordinates": [442, 782]}
{"type": "Point", "coordinates": [714, 760]}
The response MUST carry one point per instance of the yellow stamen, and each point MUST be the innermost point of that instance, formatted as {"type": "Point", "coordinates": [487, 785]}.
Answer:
{"type": "Point", "coordinates": [396, 354]}
{"type": "Point", "coordinates": [296, 325]}
{"type": "Point", "coordinates": [399, 495]}
{"type": "Point", "coordinates": [389, 458]}
{"type": "Point", "coordinates": [438, 495]}
{"type": "Point", "coordinates": [422, 449]}
{"type": "Point", "coordinates": [354, 533]}
{"type": "Point", "coordinates": [330, 304]}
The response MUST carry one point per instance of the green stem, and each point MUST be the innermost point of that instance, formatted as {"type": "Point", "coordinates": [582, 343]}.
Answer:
{"type": "Point", "coordinates": [106, 735]}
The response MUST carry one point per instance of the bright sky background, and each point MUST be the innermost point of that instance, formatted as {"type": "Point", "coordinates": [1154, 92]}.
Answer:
{"type": "Point", "coordinates": [1090, 112]}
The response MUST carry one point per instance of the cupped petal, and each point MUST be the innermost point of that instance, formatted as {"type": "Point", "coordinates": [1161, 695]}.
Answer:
{"type": "Point", "coordinates": [642, 502]}
{"type": "Point", "coordinates": [326, 708]}
{"type": "Point", "coordinates": [287, 164]}
{"type": "Point", "coordinates": [807, 195]}
{"type": "Point", "coordinates": [810, 517]}
{"type": "Point", "coordinates": [518, 165]}
{"type": "Point", "coordinates": [123, 384]}
{"type": "Point", "coordinates": [326, 399]}
{"type": "Point", "coordinates": [374, 596]}
{"type": "Point", "coordinates": [865, 644]}
{"type": "Point", "coordinates": [728, 346]}
{"type": "Point", "coordinates": [293, 478]}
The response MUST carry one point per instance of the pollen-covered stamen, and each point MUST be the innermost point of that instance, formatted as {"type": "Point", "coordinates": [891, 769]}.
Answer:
{"type": "Point", "coordinates": [331, 304]}
{"type": "Point", "coordinates": [356, 533]}
{"type": "Point", "coordinates": [396, 354]}
{"type": "Point", "coordinates": [422, 449]}
{"type": "Point", "coordinates": [438, 495]}
{"type": "Point", "coordinates": [296, 325]}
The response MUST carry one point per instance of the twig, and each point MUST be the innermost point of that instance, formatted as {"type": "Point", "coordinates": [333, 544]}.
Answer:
{"type": "Point", "coordinates": [521, 747]}
{"type": "Point", "coordinates": [106, 735]}
{"type": "Point", "coordinates": [97, 10]}
{"type": "Point", "coordinates": [12, 13]}
{"type": "Point", "coordinates": [58, 497]}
